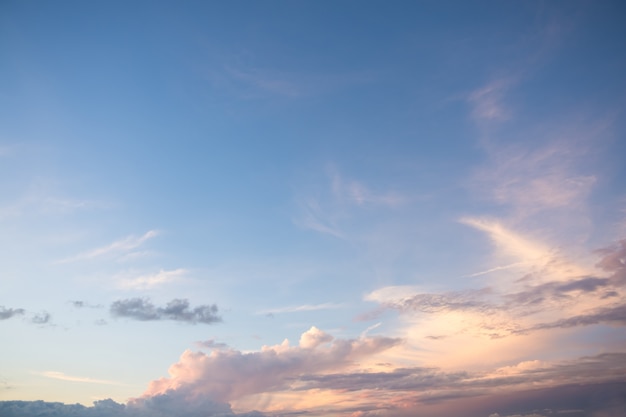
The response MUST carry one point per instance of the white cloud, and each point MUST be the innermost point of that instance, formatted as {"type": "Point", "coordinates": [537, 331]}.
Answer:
{"type": "Point", "coordinates": [132, 281]}
{"type": "Point", "coordinates": [63, 377]}
{"type": "Point", "coordinates": [120, 247]}
{"type": "Point", "coordinates": [314, 337]}
{"type": "Point", "coordinates": [299, 308]}
{"type": "Point", "coordinates": [511, 244]}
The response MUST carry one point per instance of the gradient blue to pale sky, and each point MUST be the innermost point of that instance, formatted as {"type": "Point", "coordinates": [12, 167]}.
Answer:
{"type": "Point", "coordinates": [350, 208]}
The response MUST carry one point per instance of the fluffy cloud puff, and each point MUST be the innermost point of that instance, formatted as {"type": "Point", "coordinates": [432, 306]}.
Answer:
{"type": "Point", "coordinates": [226, 375]}
{"type": "Point", "coordinates": [7, 313]}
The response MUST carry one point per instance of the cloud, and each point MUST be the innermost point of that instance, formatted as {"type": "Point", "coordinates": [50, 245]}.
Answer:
{"type": "Point", "coordinates": [511, 244]}
{"type": "Point", "coordinates": [63, 377]}
{"type": "Point", "coordinates": [177, 310]}
{"type": "Point", "coordinates": [84, 304]}
{"type": "Point", "coordinates": [230, 374]}
{"type": "Point", "coordinates": [614, 260]}
{"type": "Point", "coordinates": [212, 344]}
{"type": "Point", "coordinates": [427, 391]}
{"type": "Point", "coordinates": [519, 306]}
{"type": "Point", "coordinates": [41, 318]}
{"type": "Point", "coordinates": [303, 307]}
{"type": "Point", "coordinates": [118, 248]}
{"type": "Point", "coordinates": [38, 201]}
{"type": "Point", "coordinates": [330, 208]}
{"type": "Point", "coordinates": [147, 281]}
{"type": "Point", "coordinates": [543, 179]}
{"type": "Point", "coordinates": [314, 337]}
{"type": "Point", "coordinates": [607, 315]}
{"type": "Point", "coordinates": [487, 101]}
{"type": "Point", "coordinates": [159, 406]}
{"type": "Point", "coordinates": [7, 313]}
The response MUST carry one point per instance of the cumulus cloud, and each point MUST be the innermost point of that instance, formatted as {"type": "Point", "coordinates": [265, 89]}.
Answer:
{"type": "Point", "coordinates": [7, 313]}
{"type": "Point", "coordinates": [177, 310]}
{"type": "Point", "coordinates": [231, 374]}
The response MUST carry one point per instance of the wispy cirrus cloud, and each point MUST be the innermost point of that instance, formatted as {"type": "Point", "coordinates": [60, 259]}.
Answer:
{"type": "Point", "coordinates": [71, 378]}
{"type": "Point", "coordinates": [487, 102]}
{"type": "Point", "coordinates": [302, 307]}
{"type": "Point", "coordinates": [134, 281]}
{"type": "Point", "coordinates": [118, 248]}
{"type": "Point", "coordinates": [338, 201]}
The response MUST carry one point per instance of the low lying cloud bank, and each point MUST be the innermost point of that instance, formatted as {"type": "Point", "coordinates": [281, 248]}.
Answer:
{"type": "Point", "coordinates": [159, 406]}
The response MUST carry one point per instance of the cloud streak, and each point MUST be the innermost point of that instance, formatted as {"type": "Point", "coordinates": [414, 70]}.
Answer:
{"type": "Point", "coordinates": [147, 281]}
{"type": "Point", "coordinates": [329, 210]}
{"type": "Point", "coordinates": [63, 377]}
{"type": "Point", "coordinates": [303, 307]}
{"type": "Point", "coordinates": [118, 248]}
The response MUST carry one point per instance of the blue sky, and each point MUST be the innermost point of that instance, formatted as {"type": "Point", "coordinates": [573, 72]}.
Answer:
{"type": "Point", "coordinates": [351, 208]}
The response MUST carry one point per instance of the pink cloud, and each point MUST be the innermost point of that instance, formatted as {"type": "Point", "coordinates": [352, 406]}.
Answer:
{"type": "Point", "coordinates": [227, 375]}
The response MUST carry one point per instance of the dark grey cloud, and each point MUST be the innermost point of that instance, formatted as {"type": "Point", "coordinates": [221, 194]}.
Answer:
{"type": "Point", "coordinates": [486, 302]}
{"type": "Point", "coordinates": [7, 313]}
{"type": "Point", "coordinates": [570, 400]}
{"type": "Point", "coordinates": [431, 385]}
{"type": "Point", "coordinates": [615, 315]}
{"type": "Point", "coordinates": [177, 310]}
{"type": "Point", "coordinates": [536, 295]}
{"type": "Point", "coordinates": [404, 379]}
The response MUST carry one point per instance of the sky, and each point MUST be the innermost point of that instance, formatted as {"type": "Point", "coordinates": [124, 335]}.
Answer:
{"type": "Point", "coordinates": [313, 208]}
